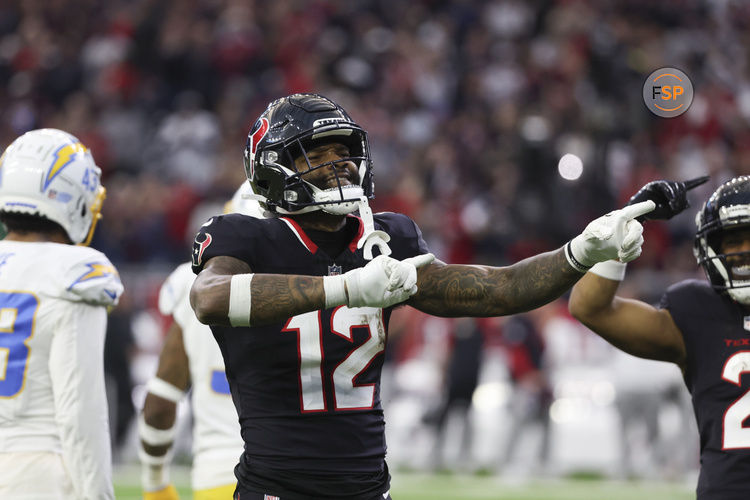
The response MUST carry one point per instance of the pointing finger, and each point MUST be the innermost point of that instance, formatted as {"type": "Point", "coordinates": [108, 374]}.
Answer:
{"type": "Point", "coordinates": [696, 182]}
{"type": "Point", "coordinates": [638, 209]}
{"type": "Point", "coordinates": [420, 260]}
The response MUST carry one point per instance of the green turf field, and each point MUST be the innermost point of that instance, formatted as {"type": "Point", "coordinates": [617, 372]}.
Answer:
{"type": "Point", "coordinates": [409, 486]}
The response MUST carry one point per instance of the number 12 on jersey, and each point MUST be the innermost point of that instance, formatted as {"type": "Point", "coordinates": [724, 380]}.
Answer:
{"type": "Point", "coordinates": [309, 330]}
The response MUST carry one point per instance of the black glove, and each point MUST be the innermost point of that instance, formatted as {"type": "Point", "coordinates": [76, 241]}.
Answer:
{"type": "Point", "coordinates": [670, 197]}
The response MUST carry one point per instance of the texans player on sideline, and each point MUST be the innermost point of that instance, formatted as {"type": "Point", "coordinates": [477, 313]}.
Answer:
{"type": "Point", "coordinates": [54, 296]}
{"type": "Point", "coordinates": [702, 327]}
{"type": "Point", "coordinates": [190, 357]}
{"type": "Point", "coordinates": [300, 308]}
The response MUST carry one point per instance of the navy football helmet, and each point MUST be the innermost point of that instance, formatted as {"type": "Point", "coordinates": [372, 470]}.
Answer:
{"type": "Point", "coordinates": [286, 130]}
{"type": "Point", "coordinates": [728, 208]}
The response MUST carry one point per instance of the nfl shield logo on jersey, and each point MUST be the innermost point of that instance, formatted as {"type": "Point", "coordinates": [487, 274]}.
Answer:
{"type": "Point", "coordinates": [746, 323]}
{"type": "Point", "coordinates": [334, 270]}
{"type": "Point", "coordinates": [270, 497]}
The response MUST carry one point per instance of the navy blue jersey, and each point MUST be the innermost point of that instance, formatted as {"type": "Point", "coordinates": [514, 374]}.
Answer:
{"type": "Point", "coordinates": [717, 340]}
{"type": "Point", "coordinates": [307, 390]}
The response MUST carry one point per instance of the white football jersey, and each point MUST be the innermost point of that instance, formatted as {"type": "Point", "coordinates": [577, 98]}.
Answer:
{"type": "Point", "coordinates": [53, 316]}
{"type": "Point", "coordinates": [217, 444]}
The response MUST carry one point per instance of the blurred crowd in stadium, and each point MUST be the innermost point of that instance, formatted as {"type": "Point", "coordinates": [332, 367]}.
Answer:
{"type": "Point", "coordinates": [469, 105]}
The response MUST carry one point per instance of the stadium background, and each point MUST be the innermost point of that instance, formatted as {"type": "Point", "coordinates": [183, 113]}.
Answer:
{"type": "Point", "coordinates": [469, 106]}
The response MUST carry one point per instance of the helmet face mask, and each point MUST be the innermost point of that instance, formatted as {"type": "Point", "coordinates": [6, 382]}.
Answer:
{"type": "Point", "coordinates": [50, 173]}
{"type": "Point", "coordinates": [287, 131]}
{"type": "Point", "coordinates": [727, 211]}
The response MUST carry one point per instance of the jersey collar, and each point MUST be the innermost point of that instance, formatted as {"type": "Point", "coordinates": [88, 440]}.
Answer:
{"type": "Point", "coordinates": [360, 231]}
{"type": "Point", "coordinates": [310, 245]}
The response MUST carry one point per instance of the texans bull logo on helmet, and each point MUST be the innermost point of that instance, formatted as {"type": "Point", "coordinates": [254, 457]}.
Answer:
{"type": "Point", "coordinates": [287, 130]}
{"type": "Point", "coordinates": [259, 131]}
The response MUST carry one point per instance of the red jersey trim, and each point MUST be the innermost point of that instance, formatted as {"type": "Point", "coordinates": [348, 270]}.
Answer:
{"type": "Point", "coordinates": [301, 236]}
{"type": "Point", "coordinates": [360, 231]}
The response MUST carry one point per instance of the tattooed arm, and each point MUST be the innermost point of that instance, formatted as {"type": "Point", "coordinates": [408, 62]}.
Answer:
{"type": "Point", "coordinates": [275, 297]}
{"type": "Point", "coordinates": [467, 290]}
{"type": "Point", "coordinates": [444, 290]}
{"type": "Point", "coordinates": [271, 298]}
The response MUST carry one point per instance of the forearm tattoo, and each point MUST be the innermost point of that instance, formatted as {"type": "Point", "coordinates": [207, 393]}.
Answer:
{"type": "Point", "coordinates": [459, 290]}
{"type": "Point", "coordinates": [277, 297]}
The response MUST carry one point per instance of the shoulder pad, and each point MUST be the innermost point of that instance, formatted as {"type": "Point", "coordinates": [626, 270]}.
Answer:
{"type": "Point", "coordinates": [92, 278]}
{"type": "Point", "coordinates": [201, 242]}
{"type": "Point", "coordinates": [396, 224]}
{"type": "Point", "coordinates": [232, 235]}
{"type": "Point", "coordinates": [406, 237]}
{"type": "Point", "coordinates": [175, 287]}
{"type": "Point", "coordinates": [691, 286]}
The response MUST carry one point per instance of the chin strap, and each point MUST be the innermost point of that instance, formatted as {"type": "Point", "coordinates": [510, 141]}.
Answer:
{"type": "Point", "coordinates": [371, 237]}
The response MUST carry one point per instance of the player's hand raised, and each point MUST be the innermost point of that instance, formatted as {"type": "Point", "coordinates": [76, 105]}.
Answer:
{"type": "Point", "coordinates": [383, 282]}
{"type": "Point", "coordinates": [617, 235]}
{"type": "Point", "coordinates": [670, 197]}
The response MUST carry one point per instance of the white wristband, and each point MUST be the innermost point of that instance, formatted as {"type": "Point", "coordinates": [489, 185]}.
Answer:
{"type": "Point", "coordinates": [611, 269]}
{"type": "Point", "coordinates": [335, 291]}
{"type": "Point", "coordinates": [165, 390]}
{"type": "Point", "coordinates": [154, 470]}
{"type": "Point", "coordinates": [154, 436]}
{"type": "Point", "coordinates": [240, 300]}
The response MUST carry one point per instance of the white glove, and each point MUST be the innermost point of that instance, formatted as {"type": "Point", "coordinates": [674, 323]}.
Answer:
{"type": "Point", "coordinates": [383, 282]}
{"type": "Point", "coordinates": [616, 235]}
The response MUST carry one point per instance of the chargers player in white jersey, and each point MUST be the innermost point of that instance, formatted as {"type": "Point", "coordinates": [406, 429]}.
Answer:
{"type": "Point", "coordinates": [191, 357]}
{"type": "Point", "coordinates": [54, 296]}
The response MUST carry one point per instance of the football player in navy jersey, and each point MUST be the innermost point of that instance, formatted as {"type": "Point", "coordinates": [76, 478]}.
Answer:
{"type": "Point", "coordinates": [299, 302]}
{"type": "Point", "coordinates": [702, 327]}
